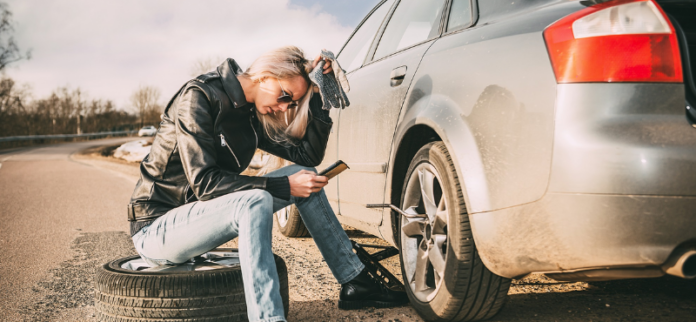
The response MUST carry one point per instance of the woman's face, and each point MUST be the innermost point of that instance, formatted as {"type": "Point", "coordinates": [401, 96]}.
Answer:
{"type": "Point", "coordinates": [271, 88]}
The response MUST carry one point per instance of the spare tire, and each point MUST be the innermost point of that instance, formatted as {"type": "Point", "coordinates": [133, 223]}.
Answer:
{"type": "Point", "coordinates": [206, 288]}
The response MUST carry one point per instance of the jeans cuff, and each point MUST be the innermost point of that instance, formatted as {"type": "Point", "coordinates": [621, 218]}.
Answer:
{"type": "Point", "coordinates": [353, 275]}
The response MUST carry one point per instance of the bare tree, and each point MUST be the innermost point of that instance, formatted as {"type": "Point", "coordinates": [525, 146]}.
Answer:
{"type": "Point", "coordinates": [145, 105]}
{"type": "Point", "coordinates": [64, 111]}
{"type": "Point", "coordinates": [13, 105]}
{"type": "Point", "coordinates": [9, 52]}
{"type": "Point", "coordinates": [205, 65]}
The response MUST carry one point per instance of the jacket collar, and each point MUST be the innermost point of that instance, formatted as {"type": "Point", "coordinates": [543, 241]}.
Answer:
{"type": "Point", "coordinates": [228, 71]}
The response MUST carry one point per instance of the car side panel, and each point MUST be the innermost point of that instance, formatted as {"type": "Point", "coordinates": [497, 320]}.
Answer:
{"type": "Point", "coordinates": [330, 156]}
{"type": "Point", "coordinates": [489, 94]}
{"type": "Point", "coordinates": [366, 130]}
{"type": "Point", "coordinates": [497, 10]}
{"type": "Point", "coordinates": [621, 194]}
{"type": "Point", "coordinates": [500, 78]}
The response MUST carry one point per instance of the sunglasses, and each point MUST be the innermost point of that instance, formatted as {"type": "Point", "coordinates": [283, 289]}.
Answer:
{"type": "Point", "coordinates": [285, 97]}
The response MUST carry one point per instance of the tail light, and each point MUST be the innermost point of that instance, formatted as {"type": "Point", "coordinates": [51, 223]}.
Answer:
{"type": "Point", "coordinates": [615, 41]}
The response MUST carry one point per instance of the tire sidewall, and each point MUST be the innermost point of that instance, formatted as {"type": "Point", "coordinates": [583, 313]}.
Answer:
{"type": "Point", "coordinates": [432, 153]}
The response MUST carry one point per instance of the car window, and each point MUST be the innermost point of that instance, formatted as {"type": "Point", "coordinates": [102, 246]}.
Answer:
{"type": "Point", "coordinates": [460, 15]}
{"type": "Point", "coordinates": [413, 21]}
{"type": "Point", "coordinates": [353, 53]}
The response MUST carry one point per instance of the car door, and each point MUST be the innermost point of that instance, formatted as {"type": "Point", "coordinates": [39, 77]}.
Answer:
{"type": "Point", "coordinates": [378, 89]}
{"type": "Point", "coordinates": [351, 57]}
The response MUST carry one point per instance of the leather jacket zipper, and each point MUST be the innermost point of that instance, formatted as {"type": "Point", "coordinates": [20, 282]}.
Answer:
{"type": "Point", "coordinates": [255, 135]}
{"type": "Point", "coordinates": [224, 143]}
{"type": "Point", "coordinates": [188, 198]}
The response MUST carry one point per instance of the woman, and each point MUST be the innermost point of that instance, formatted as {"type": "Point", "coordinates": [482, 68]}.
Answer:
{"type": "Point", "coordinates": [191, 197]}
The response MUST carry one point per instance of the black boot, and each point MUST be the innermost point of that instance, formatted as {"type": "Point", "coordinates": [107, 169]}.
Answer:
{"type": "Point", "coordinates": [363, 291]}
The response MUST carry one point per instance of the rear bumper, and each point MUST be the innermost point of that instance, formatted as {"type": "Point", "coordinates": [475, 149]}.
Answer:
{"type": "Point", "coordinates": [631, 139]}
{"type": "Point", "coordinates": [622, 190]}
{"type": "Point", "coordinates": [622, 236]}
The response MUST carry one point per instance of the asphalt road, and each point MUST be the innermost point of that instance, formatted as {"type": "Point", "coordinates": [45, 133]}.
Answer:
{"type": "Point", "coordinates": [63, 216]}
{"type": "Point", "coordinates": [52, 208]}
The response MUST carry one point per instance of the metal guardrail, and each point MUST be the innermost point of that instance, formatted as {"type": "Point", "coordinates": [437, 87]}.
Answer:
{"type": "Point", "coordinates": [65, 136]}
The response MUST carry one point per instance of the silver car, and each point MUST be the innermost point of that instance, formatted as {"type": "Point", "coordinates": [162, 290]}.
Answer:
{"type": "Point", "coordinates": [148, 130]}
{"type": "Point", "coordinates": [520, 136]}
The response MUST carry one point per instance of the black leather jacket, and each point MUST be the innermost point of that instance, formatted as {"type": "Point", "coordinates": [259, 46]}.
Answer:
{"type": "Point", "coordinates": [208, 135]}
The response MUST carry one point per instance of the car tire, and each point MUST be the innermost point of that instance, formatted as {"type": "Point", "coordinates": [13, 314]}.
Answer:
{"type": "Point", "coordinates": [290, 222]}
{"type": "Point", "coordinates": [124, 294]}
{"type": "Point", "coordinates": [449, 282]}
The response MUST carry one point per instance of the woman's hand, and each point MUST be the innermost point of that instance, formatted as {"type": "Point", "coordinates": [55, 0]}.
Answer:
{"type": "Point", "coordinates": [304, 183]}
{"type": "Point", "coordinates": [327, 65]}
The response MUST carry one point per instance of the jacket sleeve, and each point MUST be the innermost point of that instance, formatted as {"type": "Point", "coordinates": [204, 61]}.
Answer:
{"type": "Point", "coordinates": [196, 146]}
{"type": "Point", "coordinates": [310, 150]}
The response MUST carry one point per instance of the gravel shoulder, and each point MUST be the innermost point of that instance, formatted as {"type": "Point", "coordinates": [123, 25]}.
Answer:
{"type": "Point", "coordinates": [314, 291]}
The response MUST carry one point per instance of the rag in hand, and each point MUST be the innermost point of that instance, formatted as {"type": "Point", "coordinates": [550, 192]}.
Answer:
{"type": "Point", "coordinates": [332, 87]}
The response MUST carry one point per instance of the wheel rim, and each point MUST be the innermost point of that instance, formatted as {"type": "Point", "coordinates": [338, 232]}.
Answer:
{"type": "Point", "coordinates": [209, 261]}
{"type": "Point", "coordinates": [283, 216]}
{"type": "Point", "coordinates": [424, 240]}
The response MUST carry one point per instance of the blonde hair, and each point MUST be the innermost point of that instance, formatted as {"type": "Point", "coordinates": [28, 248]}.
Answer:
{"type": "Point", "coordinates": [286, 62]}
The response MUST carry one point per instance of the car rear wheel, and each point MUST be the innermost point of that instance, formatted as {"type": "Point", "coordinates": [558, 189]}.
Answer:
{"type": "Point", "coordinates": [290, 223]}
{"type": "Point", "coordinates": [444, 276]}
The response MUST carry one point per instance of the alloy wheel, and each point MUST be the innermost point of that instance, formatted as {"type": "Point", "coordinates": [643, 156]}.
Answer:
{"type": "Point", "coordinates": [424, 240]}
{"type": "Point", "coordinates": [214, 259]}
{"type": "Point", "coordinates": [283, 216]}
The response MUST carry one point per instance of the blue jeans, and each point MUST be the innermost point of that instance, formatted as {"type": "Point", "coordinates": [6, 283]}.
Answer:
{"type": "Point", "coordinates": [197, 227]}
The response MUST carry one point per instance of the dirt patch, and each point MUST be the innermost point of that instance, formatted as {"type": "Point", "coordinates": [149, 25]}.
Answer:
{"type": "Point", "coordinates": [313, 289]}
{"type": "Point", "coordinates": [104, 153]}
{"type": "Point", "coordinates": [100, 151]}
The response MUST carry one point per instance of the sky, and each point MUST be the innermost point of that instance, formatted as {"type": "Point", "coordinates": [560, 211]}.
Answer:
{"type": "Point", "coordinates": [110, 48]}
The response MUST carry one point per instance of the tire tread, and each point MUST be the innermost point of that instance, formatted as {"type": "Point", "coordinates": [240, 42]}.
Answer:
{"type": "Point", "coordinates": [203, 296]}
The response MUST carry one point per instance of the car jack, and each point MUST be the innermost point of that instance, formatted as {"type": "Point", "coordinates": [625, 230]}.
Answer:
{"type": "Point", "coordinates": [378, 272]}
{"type": "Point", "coordinates": [371, 261]}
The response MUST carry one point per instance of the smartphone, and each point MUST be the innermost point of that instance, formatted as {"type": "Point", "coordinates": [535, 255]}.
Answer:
{"type": "Point", "coordinates": [334, 169]}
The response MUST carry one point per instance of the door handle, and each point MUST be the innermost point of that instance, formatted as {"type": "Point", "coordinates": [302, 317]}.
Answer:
{"type": "Point", "coordinates": [397, 76]}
